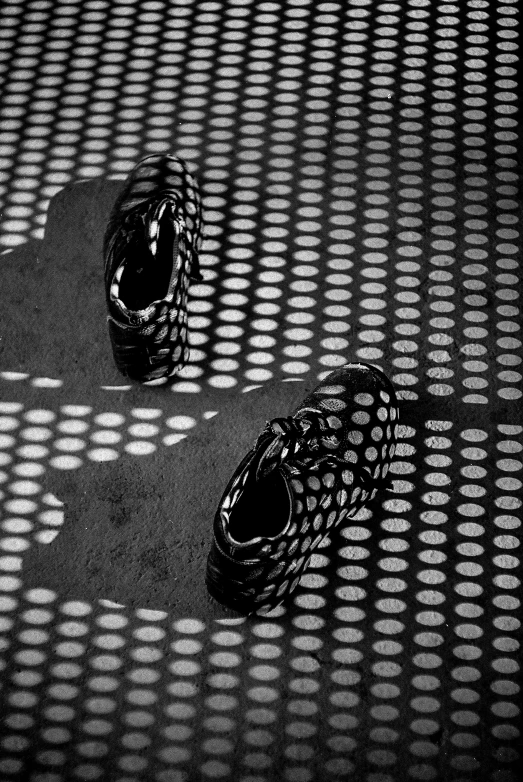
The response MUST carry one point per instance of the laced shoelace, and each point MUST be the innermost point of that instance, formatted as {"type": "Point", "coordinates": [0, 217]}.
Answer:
{"type": "Point", "coordinates": [307, 435]}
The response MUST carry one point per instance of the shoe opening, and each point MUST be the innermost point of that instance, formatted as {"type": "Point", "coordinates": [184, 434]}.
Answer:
{"type": "Point", "coordinates": [263, 509]}
{"type": "Point", "coordinates": [148, 268]}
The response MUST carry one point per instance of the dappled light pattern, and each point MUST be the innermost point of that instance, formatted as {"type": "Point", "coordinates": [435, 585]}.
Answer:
{"type": "Point", "coordinates": [359, 164]}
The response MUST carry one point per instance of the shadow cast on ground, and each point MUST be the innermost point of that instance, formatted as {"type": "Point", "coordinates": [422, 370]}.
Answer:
{"type": "Point", "coordinates": [53, 318]}
{"type": "Point", "coordinates": [137, 529]}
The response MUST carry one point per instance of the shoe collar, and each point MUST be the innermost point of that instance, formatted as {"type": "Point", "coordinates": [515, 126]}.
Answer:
{"type": "Point", "coordinates": [300, 446]}
{"type": "Point", "coordinates": [149, 221]}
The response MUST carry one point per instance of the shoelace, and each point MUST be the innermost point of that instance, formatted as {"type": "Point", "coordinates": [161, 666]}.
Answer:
{"type": "Point", "coordinates": [310, 434]}
{"type": "Point", "coordinates": [310, 429]}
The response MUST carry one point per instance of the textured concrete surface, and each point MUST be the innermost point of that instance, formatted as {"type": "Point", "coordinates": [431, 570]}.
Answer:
{"type": "Point", "coordinates": [360, 166]}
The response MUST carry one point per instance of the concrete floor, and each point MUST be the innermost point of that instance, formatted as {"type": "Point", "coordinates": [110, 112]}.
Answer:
{"type": "Point", "coordinates": [359, 162]}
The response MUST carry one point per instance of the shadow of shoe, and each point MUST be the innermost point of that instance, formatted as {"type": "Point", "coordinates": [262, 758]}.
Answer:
{"type": "Point", "coordinates": [137, 530]}
{"type": "Point", "coordinates": [52, 313]}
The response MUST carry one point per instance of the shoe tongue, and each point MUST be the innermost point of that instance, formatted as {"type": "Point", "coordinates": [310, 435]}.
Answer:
{"type": "Point", "coordinates": [269, 456]}
{"type": "Point", "coordinates": [152, 223]}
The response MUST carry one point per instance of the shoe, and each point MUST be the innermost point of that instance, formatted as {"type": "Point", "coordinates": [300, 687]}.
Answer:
{"type": "Point", "coordinates": [304, 476]}
{"type": "Point", "coordinates": [151, 250]}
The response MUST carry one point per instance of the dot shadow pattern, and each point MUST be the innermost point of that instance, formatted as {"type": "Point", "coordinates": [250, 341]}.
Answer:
{"type": "Point", "coordinates": [359, 171]}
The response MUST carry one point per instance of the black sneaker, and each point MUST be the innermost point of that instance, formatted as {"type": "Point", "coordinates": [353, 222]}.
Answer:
{"type": "Point", "coordinates": [151, 251]}
{"type": "Point", "coordinates": [305, 475]}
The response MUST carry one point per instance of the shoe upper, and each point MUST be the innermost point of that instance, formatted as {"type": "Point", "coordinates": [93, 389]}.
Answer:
{"type": "Point", "coordinates": [330, 458]}
{"type": "Point", "coordinates": [151, 252]}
